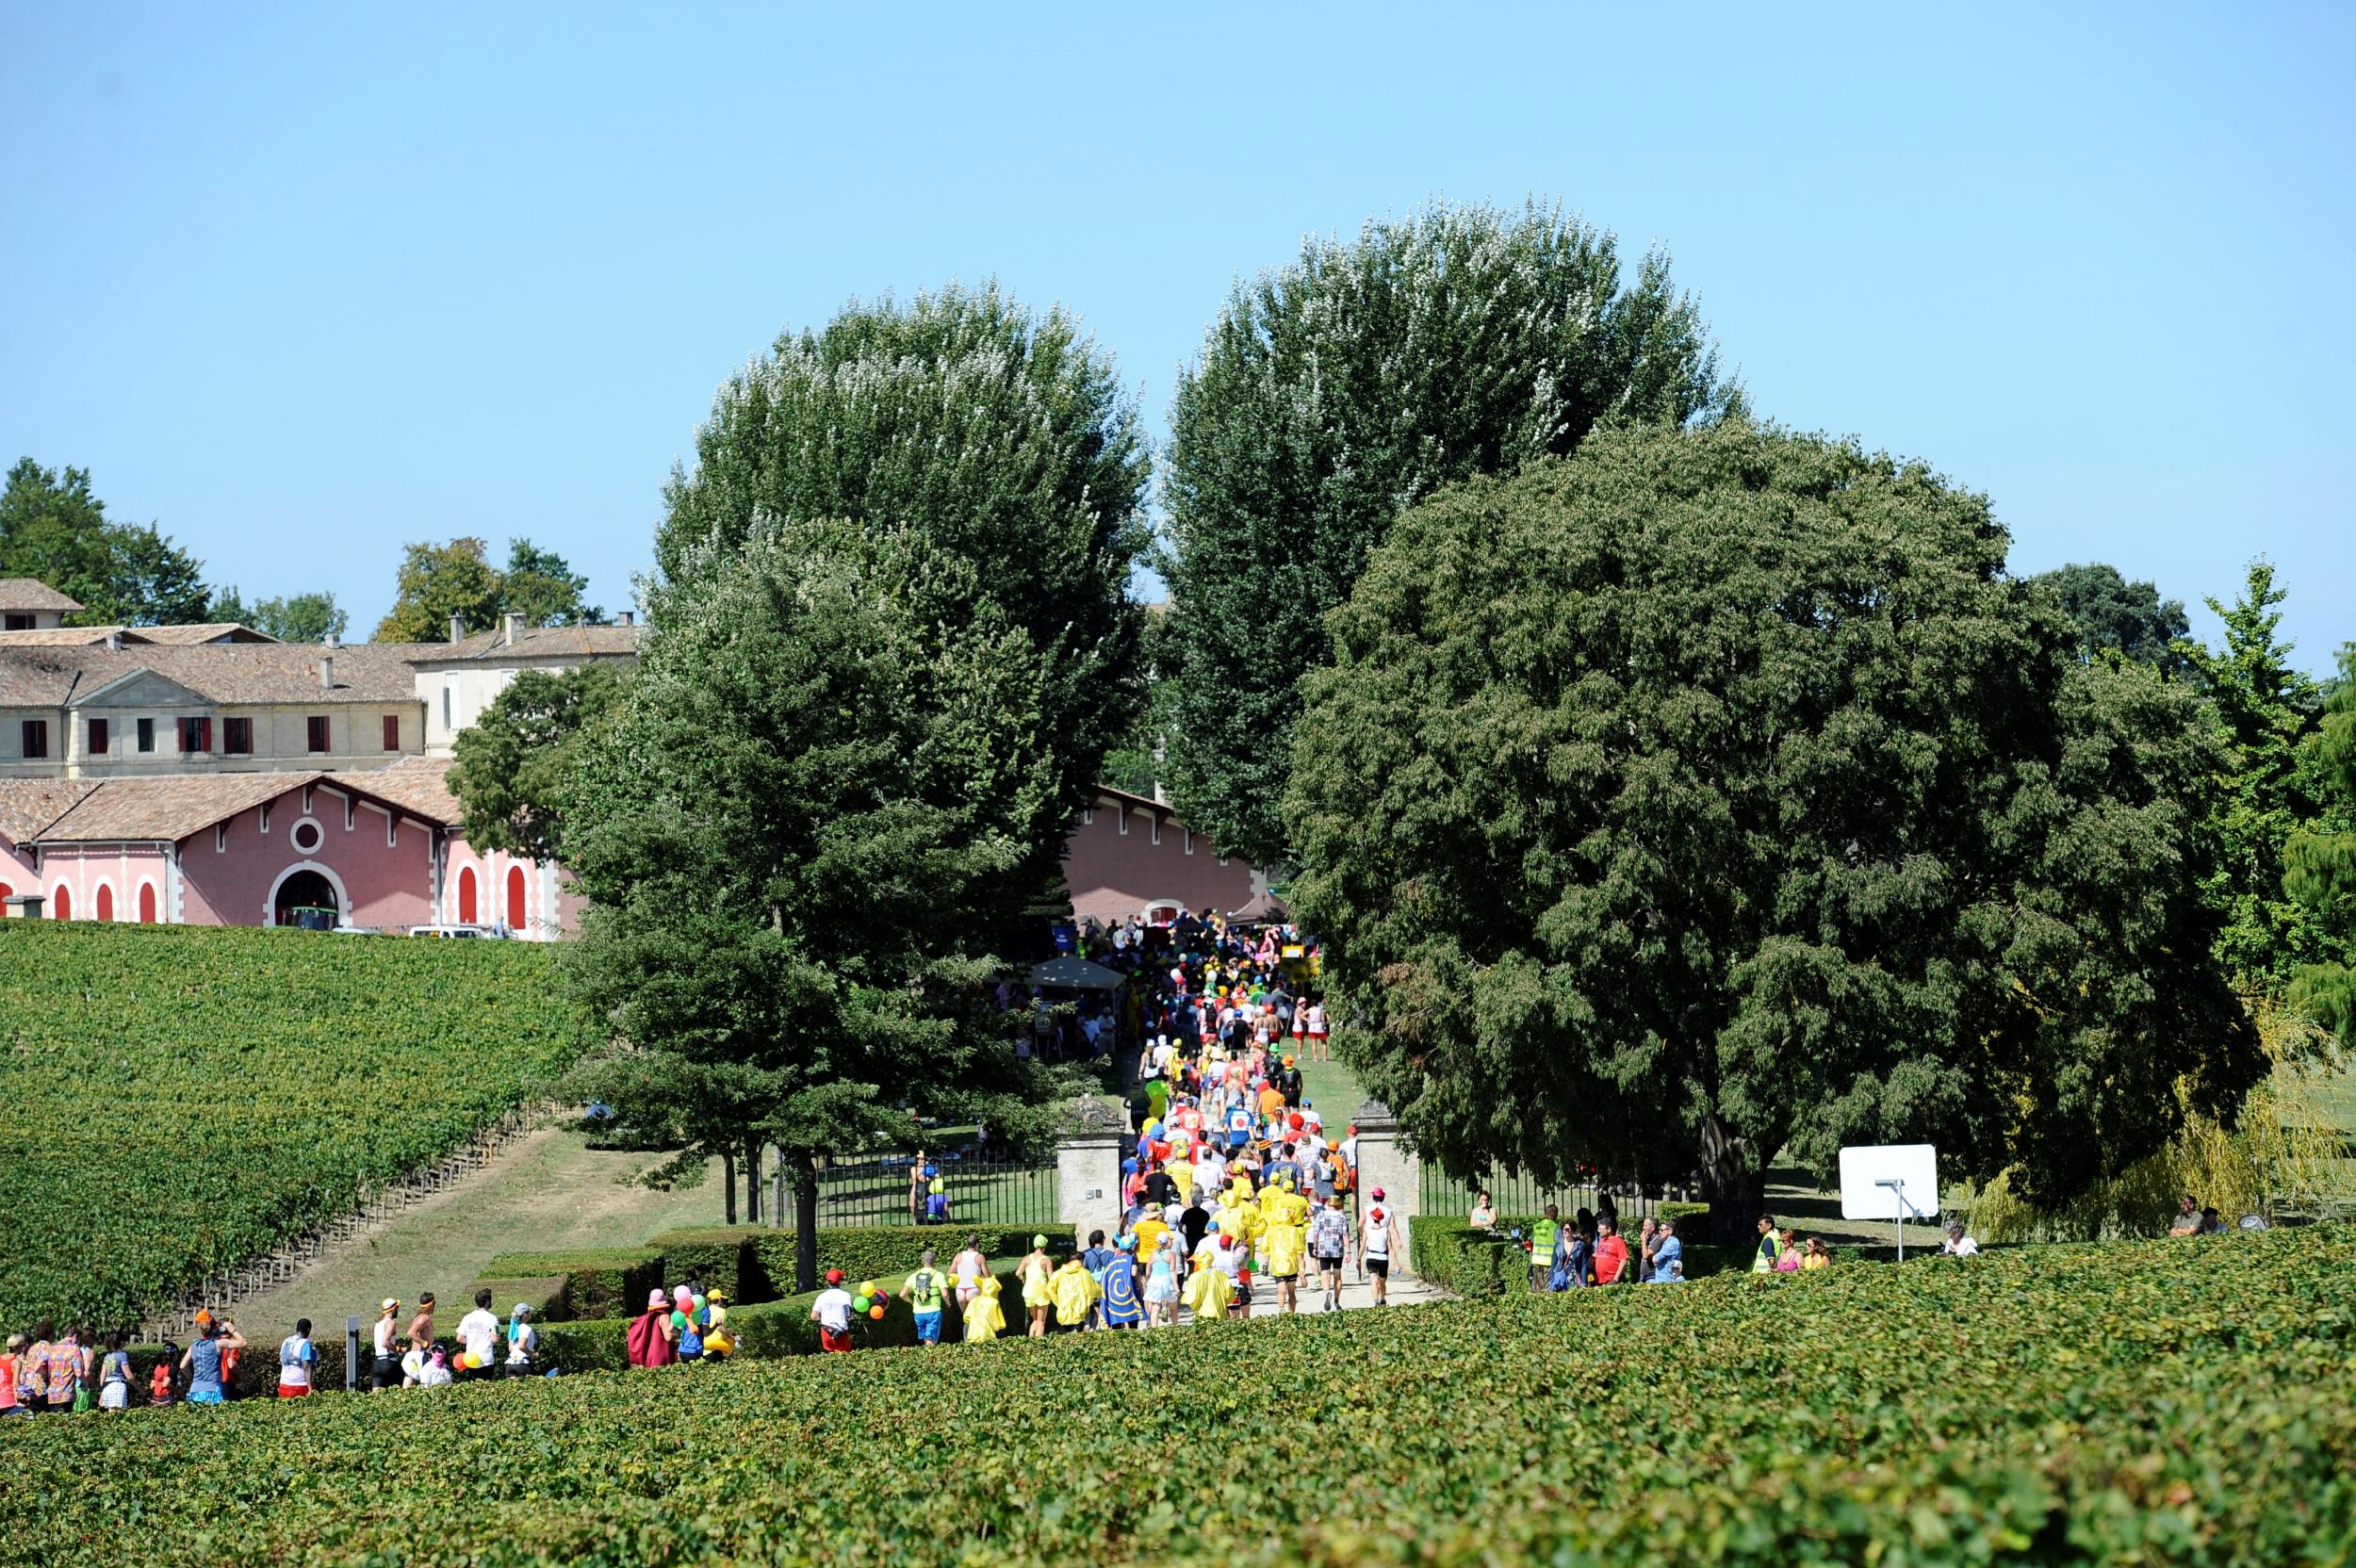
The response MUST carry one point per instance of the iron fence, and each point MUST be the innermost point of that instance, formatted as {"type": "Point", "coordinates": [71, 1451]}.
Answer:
{"type": "Point", "coordinates": [980, 1190]}
{"type": "Point", "coordinates": [1517, 1195]}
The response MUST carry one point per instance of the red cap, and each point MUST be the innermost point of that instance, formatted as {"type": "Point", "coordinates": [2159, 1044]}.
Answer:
{"type": "Point", "coordinates": [834, 1276]}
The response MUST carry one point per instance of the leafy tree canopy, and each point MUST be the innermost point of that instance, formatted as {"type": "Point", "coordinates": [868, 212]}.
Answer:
{"type": "Point", "coordinates": [53, 528]}
{"type": "Point", "coordinates": [513, 762]}
{"type": "Point", "coordinates": [797, 842]}
{"type": "Point", "coordinates": [1715, 794]}
{"type": "Point", "coordinates": [294, 618]}
{"type": "Point", "coordinates": [2320, 864]}
{"type": "Point", "coordinates": [998, 441]}
{"type": "Point", "coordinates": [1356, 381]}
{"type": "Point", "coordinates": [438, 581]}
{"type": "Point", "coordinates": [2114, 614]}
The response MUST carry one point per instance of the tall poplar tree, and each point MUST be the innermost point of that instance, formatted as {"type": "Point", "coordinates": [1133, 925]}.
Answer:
{"type": "Point", "coordinates": [1336, 390]}
{"type": "Point", "coordinates": [2320, 865]}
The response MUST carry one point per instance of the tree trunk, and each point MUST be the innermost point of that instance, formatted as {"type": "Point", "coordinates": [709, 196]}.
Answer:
{"type": "Point", "coordinates": [1734, 1184]}
{"type": "Point", "coordinates": [804, 1223]}
{"type": "Point", "coordinates": [776, 1193]}
{"type": "Point", "coordinates": [752, 1181]}
{"type": "Point", "coordinates": [728, 1184]}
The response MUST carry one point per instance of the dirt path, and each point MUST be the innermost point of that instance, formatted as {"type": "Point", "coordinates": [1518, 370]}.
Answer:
{"type": "Point", "coordinates": [544, 1192]}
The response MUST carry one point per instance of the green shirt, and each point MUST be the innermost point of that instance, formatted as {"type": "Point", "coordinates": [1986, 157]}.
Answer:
{"type": "Point", "coordinates": [925, 1289]}
{"type": "Point", "coordinates": [1541, 1236]}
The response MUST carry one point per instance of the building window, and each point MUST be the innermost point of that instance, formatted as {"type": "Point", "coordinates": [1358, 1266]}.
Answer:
{"type": "Point", "coordinates": [105, 902]}
{"type": "Point", "coordinates": [98, 736]}
{"type": "Point", "coordinates": [314, 729]}
{"type": "Point", "coordinates": [466, 895]}
{"type": "Point", "coordinates": [445, 685]}
{"type": "Point", "coordinates": [237, 737]}
{"type": "Point", "coordinates": [306, 836]}
{"type": "Point", "coordinates": [196, 735]}
{"type": "Point", "coordinates": [35, 738]}
{"type": "Point", "coordinates": [147, 904]}
{"type": "Point", "coordinates": [147, 734]}
{"type": "Point", "coordinates": [16, 621]}
{"type": "Point", "coordinates": [515, 898]}
{"type": "Point", "coordinates": [392, 733]}
{"type": "Point", "coordinates": [62, 905]}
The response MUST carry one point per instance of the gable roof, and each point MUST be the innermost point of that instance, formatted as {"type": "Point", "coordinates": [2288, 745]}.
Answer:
{"type": "Point", "coordinates": [416, 784]}
{"type": "Point", "coordinates": [161, 810]}
{"type": "Point", "coordinates": [225, 674]}
{"type": "Point", "coordinates": [188, 636]}
{"type": "Point", "coordinates": [30, 805]}
{"type": "Point", "coordinates": [30, 593]}
{"type": "Point", "coordinates": [532, 642]}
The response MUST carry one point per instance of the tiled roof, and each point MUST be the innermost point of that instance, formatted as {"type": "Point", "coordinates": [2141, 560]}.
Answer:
{"type": "Point", "coordinates": [30, 805]}
{"type": "Point", "coordinates": [541, 642]}
{"type": "Point", "coordinates": [30, 593]}
{"type": "Point", "coordinates": [189, 636]}
{"type": "Point", "coordinates": [220, 672]}
{"type": "Point", "coordinates": [57, 637]}
{"type": "Point", "coordinates": [166, 809]}
{"type": "Point", "coordinates": [418, 784]}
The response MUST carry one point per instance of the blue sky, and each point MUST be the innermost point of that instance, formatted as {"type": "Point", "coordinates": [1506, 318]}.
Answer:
{"type": "Point", "coordinates": [304, 285]}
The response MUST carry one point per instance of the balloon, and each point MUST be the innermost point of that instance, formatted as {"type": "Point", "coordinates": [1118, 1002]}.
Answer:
{"type": "Point", "coordinates": [882, 1297]}
{"type": "Point", "coordinates": [862, 1301]}
{"type": "Point", "coordinates": [867, 1287]}
{"type": "Point", "coordinates": [875, 1311]}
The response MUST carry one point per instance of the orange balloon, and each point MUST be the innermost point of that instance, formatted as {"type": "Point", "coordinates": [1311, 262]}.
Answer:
{"type": "Point", "coordinates": [875, 1312]}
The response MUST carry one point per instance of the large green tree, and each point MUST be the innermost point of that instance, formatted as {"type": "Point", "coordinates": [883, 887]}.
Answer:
{"type": "Point", "coordinates": [1715, 795]}
{"type": "Point", "coordinates": [54, 528]}
{"type": "Point", "coordinates": [2320, 865]}
{"type": "Point", "coordinates": [2113, 614]}
{"type": "Point", "coordinates": [2264, 789]}
{"type": "Point", "coordinates": [290, 618]}
{"type": "Point", "coordinates": [999, 440]}
{"type": "Point", "coordinates": [513, 762]}
{"type": "Point", "coordinates": [795, 842]}
{"type": "Point", "coordinates": [1336, 390]}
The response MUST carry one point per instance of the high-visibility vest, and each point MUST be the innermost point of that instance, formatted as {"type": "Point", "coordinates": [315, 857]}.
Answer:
{"type": "Point", "coordinates": [1542, 1235]}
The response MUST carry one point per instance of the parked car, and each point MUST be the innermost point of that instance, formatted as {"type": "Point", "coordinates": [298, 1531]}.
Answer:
{"type": "Point", "coordinates": [447, 931]}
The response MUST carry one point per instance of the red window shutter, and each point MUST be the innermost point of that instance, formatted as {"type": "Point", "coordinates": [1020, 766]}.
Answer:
{"type": "Point", "coordinates": [147, 904]}
{"type": "Point", "coordinates": [466, 895]}
{"type": "Point", "coordinates": [392, 733]}
{"type": "Point", "coordinates": [98, 736]}
{"type": "Point", "coordinates": [515, 897]}
{"type": "Point", "coordinates": [317, 726]}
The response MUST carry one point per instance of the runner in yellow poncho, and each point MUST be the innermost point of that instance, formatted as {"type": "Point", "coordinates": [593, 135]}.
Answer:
{"type": "Point", "coordinates": [984, 1318]}
{"type": "Point", "coordinates": [1287, 1243]}
{"type": "Point", "coordinates": [1076, 1291]}
{"type": "Point", "coordinates": [1209, 1289]}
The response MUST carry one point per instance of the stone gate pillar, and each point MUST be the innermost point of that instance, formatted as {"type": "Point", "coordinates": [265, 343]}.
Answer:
{"type": "Point", "coordinates": [1385, 1161]}
{"type": "Point", "coordinates": [1088, 1168]}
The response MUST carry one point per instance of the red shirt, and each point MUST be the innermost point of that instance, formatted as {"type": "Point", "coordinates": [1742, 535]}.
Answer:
{"type": "Point", "coordinates": [1610, 1258]}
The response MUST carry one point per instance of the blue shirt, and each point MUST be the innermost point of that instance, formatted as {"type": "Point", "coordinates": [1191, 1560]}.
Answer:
{"type": "Point", "coordinates": [204, 1366]}
{"type": "Point", "coordinates": [1670, 1251]}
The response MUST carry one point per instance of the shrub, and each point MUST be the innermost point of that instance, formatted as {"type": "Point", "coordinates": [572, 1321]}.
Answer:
{"type": "Point", "coordinates": [605, 1282]}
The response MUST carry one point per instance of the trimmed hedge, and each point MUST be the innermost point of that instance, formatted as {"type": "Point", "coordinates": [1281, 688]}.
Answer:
{"type": "Point", "coordinates": [754, 1264]}
{"type": "Point", "coordinates": [601, 1283]}
{"type": "Point", "coordinates": [1473, 1264]}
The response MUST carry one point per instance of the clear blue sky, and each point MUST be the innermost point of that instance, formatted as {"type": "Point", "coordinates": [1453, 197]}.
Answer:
{"type": "Point", "coordinates": [303, 286]}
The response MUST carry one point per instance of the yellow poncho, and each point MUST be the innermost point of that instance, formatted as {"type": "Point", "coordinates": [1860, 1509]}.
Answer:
{"type": "Point", "coordinates": [1209, 1289]}
{"type": "Point", "coordinates": [1076, 1291]}
{"type": "Point", "coordinates": [984, 1318]}
{"type": "Point", "coordinates": [1285, 1245]}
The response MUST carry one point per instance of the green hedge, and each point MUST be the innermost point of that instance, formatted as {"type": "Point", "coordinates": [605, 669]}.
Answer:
{"type": "Point", "coordinates": [753, 1264]}
{"type": "Point", "coordinates": [1471, 1264]}
{"type": "Point", "coordinates": [603, 1284]}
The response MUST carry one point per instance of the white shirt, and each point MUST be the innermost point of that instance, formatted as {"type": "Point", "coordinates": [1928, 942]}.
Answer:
{"type": "Point", "coordinates": [1961, 1247]}
{"type": "Point", "coordinates": [479, 1331]}
{"type": "Point", "coordinates": [1376, 1241]}
{"type": "Point", "coordinates": [833, 1308]}
{"type": "Point", "coordinates": [385, 1328]}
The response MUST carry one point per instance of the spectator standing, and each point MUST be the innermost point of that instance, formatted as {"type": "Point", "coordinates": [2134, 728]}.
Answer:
{"type": "Point", "coordinates": [2187, 1221]}
{"type": "Point", "coordinates": [1668, 1254]}
{"type": "Point", "coordinates": [114, 1374]}
{"type": "Point", "coordinates": [1959, 1245]}
{"type": "Point", "coordinates": [1546, 1235]}
{"type": "Point", "coordinates": [11, 1403]}
{"type": "Point", "coordinates": [1611, 1252]}
{"type": "Point", "coordinates": [61, 1372]}
{"type": "Point", "coordinates": [1763, 1259]}
{"type": "Point", "coordinates": [1485, 1215]}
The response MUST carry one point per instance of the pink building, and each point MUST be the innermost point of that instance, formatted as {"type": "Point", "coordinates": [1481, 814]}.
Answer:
{"type": "Point", "coordinates": [1130, 855]}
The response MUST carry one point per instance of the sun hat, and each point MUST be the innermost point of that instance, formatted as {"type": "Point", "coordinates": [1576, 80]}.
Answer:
{"type": "Point", "coordinates": [1377, 1193]}
{"type": "Point", "coordinates": [523, 1309]}
{"type": "Point", "coordinates": [656, 1300]}
{"type": "Point", "coordinates": [392, 1303]}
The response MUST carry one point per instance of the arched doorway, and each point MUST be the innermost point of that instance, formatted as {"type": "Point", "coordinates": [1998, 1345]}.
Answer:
{"type": "Point", "coordinates": [515, 898]}
{"type": "Point", "coordinates": [466, 895]}
{"type": "Point", "coordinates": [147, 904]}
{"type": "Point", "coordinates": [62, 904]}
{"type": "Point", "coordinates": [105, 902]}
{"type": "Point", "coordinates": [304, 889]}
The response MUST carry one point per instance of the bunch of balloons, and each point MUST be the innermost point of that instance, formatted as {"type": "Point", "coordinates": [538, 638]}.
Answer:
{"type": "Point", "coordinates": [468, 1361]}
{"type": "Point", "coordinates": [870, 1299]}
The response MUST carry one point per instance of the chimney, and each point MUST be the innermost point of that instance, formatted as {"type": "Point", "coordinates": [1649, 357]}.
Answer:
{"type": "Point", "coordinates": [327, 671]}
{"type": "Point", "coordinates": [334, 640]}
{"type": "Point", "coordinates": [457, 628]}
{"type": "Point", "coordinates": [114, 640]}
{"type": "Point", "coordinates": [629, 618]}
{"type": "Point", "coordinates": [511, 628]}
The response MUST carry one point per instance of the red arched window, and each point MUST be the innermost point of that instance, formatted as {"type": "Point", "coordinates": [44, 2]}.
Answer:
{"type": "Point", "coordinates": [105, 902]}
{"type": "Point", "coordinates": [64, 901]}
{"type": "Point", "coordinates": [515, 898]}
{"type": "Point", "coordinates": [147, 904]}
{"type": "Point", "coordinates": [466, 895]}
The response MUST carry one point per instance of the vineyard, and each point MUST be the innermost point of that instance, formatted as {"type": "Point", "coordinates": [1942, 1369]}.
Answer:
{"type": "Point", "coordinates": [180, 1100]}
{"type": "Point", "coordinates": [2185, 1402]}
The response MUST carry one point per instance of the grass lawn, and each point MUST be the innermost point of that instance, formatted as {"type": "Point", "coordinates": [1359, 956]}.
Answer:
{"type": "Point", "coordinates": [546, 1192]}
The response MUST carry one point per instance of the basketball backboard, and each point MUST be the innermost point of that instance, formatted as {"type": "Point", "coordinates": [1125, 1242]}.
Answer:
{"type": "Point", "coordinates": [1914, 1164]}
